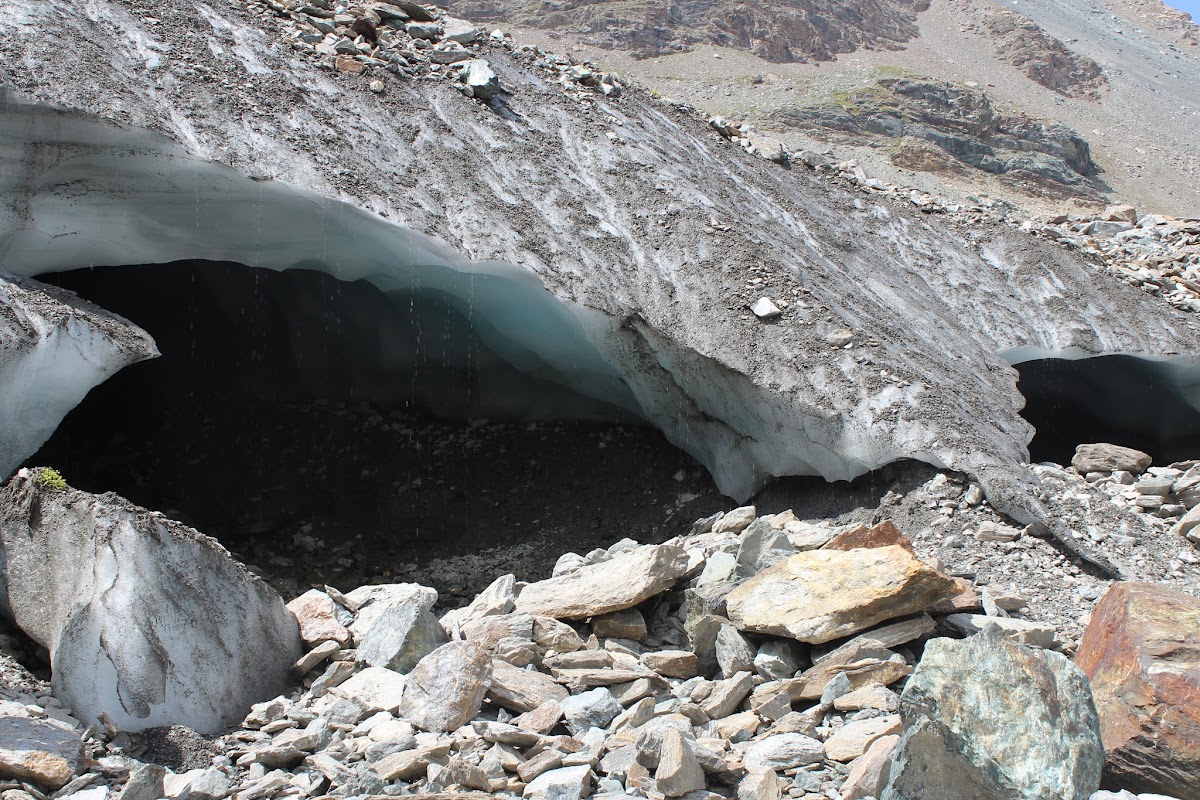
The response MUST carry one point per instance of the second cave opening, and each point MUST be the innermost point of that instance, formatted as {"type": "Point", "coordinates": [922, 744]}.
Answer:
{"type": "Point", "coordinates": [1122, 400]}
{"type": "Point", "coordinates": [327, 432]}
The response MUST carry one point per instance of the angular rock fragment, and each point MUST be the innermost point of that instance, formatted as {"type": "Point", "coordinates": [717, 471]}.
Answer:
{"type": "Point", "coordinates": [972, 712]}
{"type": "Point", "coordinates": [522, 690]}
{"type": "Point", "coordinates": [678, 770]}
{"type": "Point", "coordinates": [478, 77]}
{"type": "Point", "coordinates": [881, 535]}
{"type": "Point", "coordinates": [613, 585]}
{"type": "Point", "coordinates": [820, 595]}
{"type": "Point", "coordinates": [1019, 630]}
{"type": "Point", "coordinates": [39, 751]}
{"type": "Point", "coordinates": [1102, 457]}
{"type": "Point", "coordinates": [133, 606]}
{"type": "Point", "coordinates": [317, 615]}
{"type": "Point", "coordinates": [1141, 652]}
{"type": "Point", "coordinates": [445, 690]}
{"type": "Point", "coordinates": [852, 739]}
{"type": "Point", "coordinates": [565, 783]}
{"type": "Point", "coordinates": [869, 773]}
{"type": "Point", "coordinates": [375, 689]}
{"type": "Point", "coordinates": [397, 630]}
{"type": "Point", "coordinates": [783, 751]}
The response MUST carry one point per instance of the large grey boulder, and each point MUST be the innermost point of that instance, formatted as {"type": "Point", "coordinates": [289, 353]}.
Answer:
{"type": "Point", "coordinates": [145, 619]}
{"type": "Point", "coordinates": [990, 719]}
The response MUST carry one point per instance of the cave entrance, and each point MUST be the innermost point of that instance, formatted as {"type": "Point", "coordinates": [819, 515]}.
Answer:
{"type": "Point", "coordinates": [1122, 400]}
{"type": "Point", "coordinates": [327, 432]}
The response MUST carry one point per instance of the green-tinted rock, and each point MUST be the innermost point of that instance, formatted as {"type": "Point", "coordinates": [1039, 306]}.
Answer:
{"type": "Point", "coordinates": [988, 719]}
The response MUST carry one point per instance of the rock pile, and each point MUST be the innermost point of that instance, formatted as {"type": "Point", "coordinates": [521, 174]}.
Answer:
{"type": "Point", "coordinates": [757, 656]}
{"type": "Point", "coordinates": [406, 38]}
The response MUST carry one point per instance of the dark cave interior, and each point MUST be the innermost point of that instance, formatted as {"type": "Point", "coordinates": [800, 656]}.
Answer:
{"type": "Point", "coordinates": [324, 437]}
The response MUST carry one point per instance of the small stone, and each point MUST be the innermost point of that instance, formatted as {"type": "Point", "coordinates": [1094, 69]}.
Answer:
{"type": "Point", "coordinates": [761, 784]}
{"type": "Point", "coordinates": [875, 696]}
{"type": "Point", "coordinates": [593, 709]}
{"type": "Point", "coordinates": [478, 75]}
{"type": "Point", "coordinates": [1109, 458]}
{"type": "Point", "coordinates": [627, 624]}
{"type": "Point", "coordinates": [349, 65]}
{"type": "Point", "coordinates": [459, 30]}
{"type": "Point", "coordinates": [736, 521]}
{"type": "Point", "coordinates": [765, 309]}
{"type": "Point", "coordinates": [852, 739]}
{"type": "Point", "coordinates": [672, 663]}
{"type": "Point", "coordinates": [565, 783]}
{"type": "Point", "coordinates": [619, 583]}
{"type": "Point", "coordinates": [1120, 213]}
{"type": "Point", "coordinates": [430, 31]}
{"type": "Point", "coordinates": [1019, 630]}
{"type": "Point", "coordinates": [777, 659]}
{"type": "Point", "coordinates": [375, 689]}
{"type": "Point", "coordinates": [522, 690]}
{"type": "Point", "coordinates": [376, 86]}
{"type": "Point", "coordinates": [783, 751]}
{"type": "Point", "coordinates": [734, 653]}
{"type": "Point", "coordinates": [989, 531]}
{"type": "Point", "coordinates": [840, 338]}
{"type": "Point", "coordinates": [869, 774]}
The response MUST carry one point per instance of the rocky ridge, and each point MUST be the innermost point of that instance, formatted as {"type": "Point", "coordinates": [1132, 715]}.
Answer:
{"type": "Point", "coordinates": [941, 128]}
{"type": "Point", "coordinates": [774, 31]}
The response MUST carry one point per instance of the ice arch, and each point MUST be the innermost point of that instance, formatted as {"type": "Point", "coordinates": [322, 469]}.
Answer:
{"type": "Point", "coordinates": [1151, 405]}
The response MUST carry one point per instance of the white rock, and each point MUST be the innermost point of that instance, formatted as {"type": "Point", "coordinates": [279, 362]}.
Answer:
{"type": "Point", "coordinates": [765, 308]}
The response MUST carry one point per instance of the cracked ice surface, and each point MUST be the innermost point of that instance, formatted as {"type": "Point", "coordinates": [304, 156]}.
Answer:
{"type": "Point", "coordinates": [579, 236]}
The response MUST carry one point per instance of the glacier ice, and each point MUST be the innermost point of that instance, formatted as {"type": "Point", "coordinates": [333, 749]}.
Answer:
{"type": "Point", "coordinates": [607, 246]}
{"type": "Point", "coordinates": [53, 349]}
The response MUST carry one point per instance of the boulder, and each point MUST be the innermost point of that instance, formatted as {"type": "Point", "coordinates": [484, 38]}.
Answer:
{"type": "Point", "coordinates": [375, 689]}
{"type": "Point", "coordinates": [619, 583]}
{"type": "Point", "coordinates": [820, 595]}
{"type": "Point", "coordinates": [1103, 457]}
{"type": "Point", "coordinates": [990, 719]}
{"type": "Point", "coordinates": [397, 630]}
{"type": "Point", "coordinates": [317, 615]}
{"type": "Point", "coordinates": [783, 751]}
{"type": "Point", "coordinates": [39, 751]}
{"type": "Point", "coordinates": [1141, 652]}
{"type": "Point", "coordinates": [145, 619]}
{"type": "Point", "coordinates": [446, 689]}
{"type": "Point", "coordinates": [479, 78]}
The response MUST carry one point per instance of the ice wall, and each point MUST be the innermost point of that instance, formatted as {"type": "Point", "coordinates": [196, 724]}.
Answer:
{"type": "Point", "coordinates": [643, 233]}
{"type": "Point", "coordinates": [53, 349]}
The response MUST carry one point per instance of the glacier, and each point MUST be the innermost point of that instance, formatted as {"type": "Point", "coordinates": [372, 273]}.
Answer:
{"type": "Point", "coordinates": [609, 246]}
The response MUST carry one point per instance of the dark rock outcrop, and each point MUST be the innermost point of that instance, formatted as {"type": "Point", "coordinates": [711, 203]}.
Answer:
{"type": "Point", "coordinates": [943, 128]}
